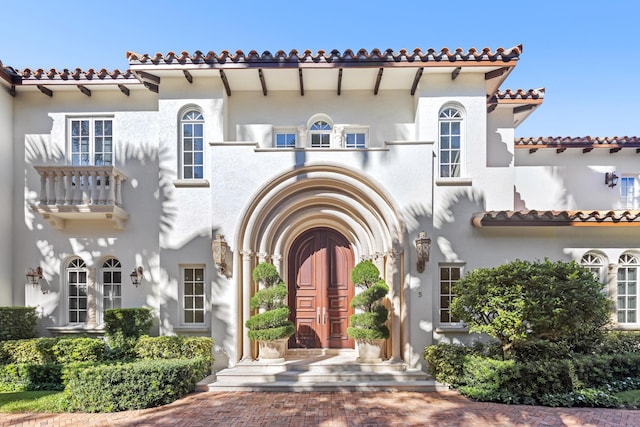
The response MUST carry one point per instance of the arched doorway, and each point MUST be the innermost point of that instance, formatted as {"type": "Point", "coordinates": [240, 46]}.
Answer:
{"type": "Point", "coordinates": [320, 264]}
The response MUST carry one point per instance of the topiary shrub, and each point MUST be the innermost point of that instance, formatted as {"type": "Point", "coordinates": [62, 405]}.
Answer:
{"type": "Point", "coordinates": [370, 324]}
{"type": "Point", "coordinates": [273, 323]}
{"type": "Point", "coordinates": [17, 323]}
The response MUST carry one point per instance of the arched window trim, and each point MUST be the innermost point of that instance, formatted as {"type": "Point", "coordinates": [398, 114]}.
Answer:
{"type": "Point", "coordinates": [191, 143]}
{"type": "Point", "coordinates": [320, 131]}
{"type": "Point", "coordinates": [451, 144]}
{"type": "Point", "coordinates": [76, 282]}
{"type": "Point", "coordinates": [595, 262]}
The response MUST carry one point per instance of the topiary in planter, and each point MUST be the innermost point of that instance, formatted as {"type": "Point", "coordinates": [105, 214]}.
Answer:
{"type": "Point", "coordinates": [273, 322]}
{"type": "Point", "coordinates": [369, 324]}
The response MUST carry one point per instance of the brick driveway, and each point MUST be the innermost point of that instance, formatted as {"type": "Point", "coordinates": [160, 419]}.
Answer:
{"type": "Point", "coordinates": [334, 409]}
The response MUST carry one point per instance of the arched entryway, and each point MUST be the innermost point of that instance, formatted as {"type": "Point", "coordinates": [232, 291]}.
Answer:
{"type": "Point", "coordinates": [320, 262]}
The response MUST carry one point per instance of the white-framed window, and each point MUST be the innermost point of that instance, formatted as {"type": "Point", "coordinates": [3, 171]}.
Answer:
{"type": "Point", "coordinates": [192, 145]}
{"type": "Point", "coordinates": [449, 275]}
{"type": "Point", "coordinates": [355, 138]}
{"type": "Point", "coordinates": [111, 272]}
{"type": "Point", "coordinates": [193, 295]}
{"type": "Point", "coordinates": [91, 141]}
{"type": "Point", "coordinates": [450, 142]}
{"type": "Point", "coordinates": [77, 291]}
{"type": "Point", "coordinates": [595, 264]}
{"type": "Point", "coordinates": [627, 286]}
{"type": "Point", "coordinates": [320, 134]}
{"type": "Point", "coordinates": [629, 192]}
{"type": "Point", "coordinates": [285, 138]}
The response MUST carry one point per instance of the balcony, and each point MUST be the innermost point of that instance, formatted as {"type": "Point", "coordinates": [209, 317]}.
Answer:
{"type": "Point", "coordinates": [81, 193]}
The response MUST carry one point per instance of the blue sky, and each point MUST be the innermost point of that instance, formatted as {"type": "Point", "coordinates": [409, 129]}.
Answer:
{"type": "Point", "coordinates": [583, 52]}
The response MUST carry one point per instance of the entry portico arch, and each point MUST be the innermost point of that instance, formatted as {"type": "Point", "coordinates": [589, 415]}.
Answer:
{"type": "Point", "coordinates": [321, 196]}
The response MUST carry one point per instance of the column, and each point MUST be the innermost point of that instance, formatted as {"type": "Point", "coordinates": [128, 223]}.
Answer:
{"type": "Point", "coordinates": [392, 277]}
{"type": "Point", "coordinates": [244, 298]}
{"type": "Point", "coordinates": [91, 297]}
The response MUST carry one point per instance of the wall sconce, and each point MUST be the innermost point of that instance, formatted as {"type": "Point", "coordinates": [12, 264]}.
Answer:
{"type": "Point", "coordinates": [611, 179]}
{"type": "Point", "coordinates": [34, 275]}
{"type": "Point", "coordinates": [136, 276]}
{"type": "Point", "coordinates": [423, 246]}
{"type": "Point", "coordinates": [219, 249]}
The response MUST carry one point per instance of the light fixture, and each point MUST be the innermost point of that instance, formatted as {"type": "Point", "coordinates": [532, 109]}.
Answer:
{"type": "Point", "coordinates": [34, 275]}
{"type": "Point", "coordinates": [136, 276]}
{"type": "Point", "coordinates": [219, 249]}
{"type": "Point", "coordinates": [611, 179]}
{"type": "Point", "coordinates": [423, 246]}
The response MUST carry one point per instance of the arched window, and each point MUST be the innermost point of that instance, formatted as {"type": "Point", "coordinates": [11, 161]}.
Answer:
{"type": "Point", "coordinates": [77, 294]}
{"type": "Point", "coordinates": [594, 263]}
{"type": "Point", "coordinates": [320, 134]}
{"type": "Point", "coordinates": [192, 145]}
{"type": "Point", "coordinates": [627, 281]}
{"type": "Point", "coordinates": [450, 150]}
{"type": "Point", "coordinates": [111, 284]}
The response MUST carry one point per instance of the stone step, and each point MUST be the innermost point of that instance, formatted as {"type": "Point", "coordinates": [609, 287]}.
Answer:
{"type": "Point", "coordinates": [306, 371]}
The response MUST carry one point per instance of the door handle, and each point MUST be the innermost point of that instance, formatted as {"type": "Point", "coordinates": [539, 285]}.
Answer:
{"type": "Point", "coordinates": [318, 314]}
{"type": "Point", "coordinates": [324, 315]}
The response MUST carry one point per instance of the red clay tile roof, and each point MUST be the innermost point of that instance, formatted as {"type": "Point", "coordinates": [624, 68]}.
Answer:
{"type": "Point", "coordinates": [587, 143]}
{"type": "Point", "coordinates": [556, 218]}
{"type": "Point", "coordinates": [521, 94]}
{"type": "Point", "coordinates": [335, 56]}
{"type": "Point", "coordinates": [76, 75]}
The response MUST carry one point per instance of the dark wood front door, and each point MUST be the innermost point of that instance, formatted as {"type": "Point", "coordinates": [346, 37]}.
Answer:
{"type": "Point", "coordinates": [320, 263]}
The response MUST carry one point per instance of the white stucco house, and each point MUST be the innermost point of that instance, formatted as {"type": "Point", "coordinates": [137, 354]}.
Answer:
{"type": "Point", "coordinates": [189, 169]}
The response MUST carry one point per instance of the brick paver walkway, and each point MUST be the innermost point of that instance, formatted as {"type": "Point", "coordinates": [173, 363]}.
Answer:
{"type": "Point", "coordinates": [334, 410]}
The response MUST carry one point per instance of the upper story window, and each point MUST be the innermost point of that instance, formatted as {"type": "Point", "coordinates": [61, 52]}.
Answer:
{"type": "Point", "coordinates": [320, 134]}
{"type": "Point", "coordinates": [285, 138]}
{"type": "Point", "coordinates": [450, 150]}
{"type": "Point", "coordinates": [595, 264]}
{"type": "Point", "coordinates": [629, 192]}
{"type": "Point", "coordinates": [91, 141]}
{"type": "Point", "coordinates": [192, 145]}
{"type": "Point", "coordinates": [627, 288]}
{"type": "Point", "coordinates": [355, 139]}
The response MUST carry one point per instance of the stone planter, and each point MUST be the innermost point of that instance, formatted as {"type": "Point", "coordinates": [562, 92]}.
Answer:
{"type": "Point", "coordinates": [370, 351]}
{"type": "Point", "coordinates": [272, 351]}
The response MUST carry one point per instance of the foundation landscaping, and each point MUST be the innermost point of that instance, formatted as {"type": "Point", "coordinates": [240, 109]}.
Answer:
{"type": "Point", "coordinates": [124, 371]}
{"type": "Point", "coordinates": [544, 339]}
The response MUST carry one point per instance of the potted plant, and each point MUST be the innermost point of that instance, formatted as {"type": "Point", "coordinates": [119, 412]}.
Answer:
{"type": "Point", "coordinates": [271, 326]}
{"type": "Point", "coordinates": [368, 327]}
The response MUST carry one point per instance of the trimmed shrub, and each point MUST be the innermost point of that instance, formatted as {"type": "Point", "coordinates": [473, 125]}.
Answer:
{"type": "Point", "coordinates": [445, 362]}
{"type": "Point", "coordinates": [175, 347]}
{"type": "Point", "coordinates": [129, 386]}
{"type": "Point", "coordinates": [18, 377]}
{"type": "Point", "coordinates": [128, 322]}
{"type": "Point", "coordinates": [17, 323]}
{"type": "Point", "coordinates": [39, 351]}
{"type": "Point", "coordinates": [615, 342]}
{"type": "Point", "coordinates": [123, 328]}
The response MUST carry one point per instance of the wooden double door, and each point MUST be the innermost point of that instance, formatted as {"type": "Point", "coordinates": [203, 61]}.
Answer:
{"type": "Point", "coordinates": [320, 264]}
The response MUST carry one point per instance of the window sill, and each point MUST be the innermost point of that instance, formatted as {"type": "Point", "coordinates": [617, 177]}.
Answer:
{"type": "Point", "coordinates": [77, 330]}
{"type": "Point", "coordinates": [185, 183]}
{"type": "Point", "coordinates": [196, 329]}
{"type": "Point", "coordinates": [452, 330]}
{"type": "Point", "coordinates": [454, 182]}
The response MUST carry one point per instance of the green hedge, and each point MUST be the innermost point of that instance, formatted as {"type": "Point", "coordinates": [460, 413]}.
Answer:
{"type": "Point", "coordinates": [128, 322]}
{"type": "Point", "coordinates": [175, 347]}
{"type": "Point", "coordinates": [17, 323]}
{"type": "Point", "coordinates": [17, 377]}
{"type": "Point", "coordinates": [137, 385]}
{"type": "Point", "coordinates": [49, 350]}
